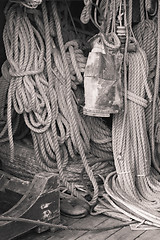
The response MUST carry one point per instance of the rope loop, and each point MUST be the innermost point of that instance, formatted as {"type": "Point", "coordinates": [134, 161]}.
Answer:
{"type": "Point", "coordinates": [73, 43]}
{"type": "Point", "coordinates": [86, 12]}
{"type": "Point", "coordinates": [111, 37]}
{"type": "Point", "coordinates": [77, 59]}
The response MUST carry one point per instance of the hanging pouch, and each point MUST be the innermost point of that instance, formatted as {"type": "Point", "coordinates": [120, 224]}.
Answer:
{"type": "Point", "coordinates": [102, 77]}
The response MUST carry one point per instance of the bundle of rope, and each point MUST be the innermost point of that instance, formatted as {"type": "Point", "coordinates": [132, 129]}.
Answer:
{"type": "Point", "coordinates": [25, 165]}
{"type": "Point", "coordinates": [103, 13]}
{"type": "Point", "coordinates": [134, 188]}
{"type": "Point", "coordinates": [146, 35]}
{"type": "Point", "coordinates": [134, 178]}
{"type": "Point", "coordinates": [101, 137]}
{"type": "Point", "coordinates": [40, 89]}
{"type": "Point", "coordinates": [75, 57]}
{"type": "Point", "coordinates": [75, 172]}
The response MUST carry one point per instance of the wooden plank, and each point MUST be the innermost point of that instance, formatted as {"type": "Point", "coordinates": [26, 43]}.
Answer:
{"type": "Point", "coordinates": [103, 235]}
{"type": "Point", "coordinates": [40, 202]}
{"type": "Point", "coordinates": [12, 183]}
{"type": "Point", "coordinates": [87, 222]}
{"type": "Point", "coordinates": [125, 233]}
{"type": "Point", "coordinates": [149, 235]}
{"type": "Point", "coordinates": [45, 235]}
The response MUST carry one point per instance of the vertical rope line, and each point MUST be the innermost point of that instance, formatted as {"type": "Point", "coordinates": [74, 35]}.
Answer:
{"type": "Point", "coordinates": [142, 14]}
{"type": "Point", "coordinates": [156, 89]}
{"type": "Point", "coordinates": [114, 16]}
{"type": "Point", "coordinates": [109, 18]}
{"type": "Point", "coordinates": [50, 80]}
{"type": "Point", "coordinates": [125, 81]}
{"type": "Point", "coordinates": [11, 88]}
{"type": "Point", "coordinates": [53, 124]}
{"type": "Point", "coordinates": [95, 13]}
{"type": "Point", "coordinates": [130, 16]}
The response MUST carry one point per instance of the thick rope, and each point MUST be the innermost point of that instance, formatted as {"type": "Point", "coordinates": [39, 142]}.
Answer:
{"type": "Point", "coordinates": [63, 227]}
{"type": "Point", "coordinates": [68, 95]}
{"type": "Point", "coordinates": [156, 96]}
{"type": "Point", "coordinates": [134, 179]}
{"type": "Point", "coordinates": [148, 41]}
{"type": "Point", "coordinates": [86, 12]}
{"type": "Point", "coordinates": [101, 137]}
{"type": "Point", "coordinates": [40, 89]}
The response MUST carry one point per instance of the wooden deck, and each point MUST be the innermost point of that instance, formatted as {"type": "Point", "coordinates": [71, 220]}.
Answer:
{"type": "Point", "coordinates": [124, 233]}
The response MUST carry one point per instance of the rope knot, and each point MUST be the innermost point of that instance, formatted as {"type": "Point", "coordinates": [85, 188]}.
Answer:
{"type": "Point", "coordinates": [86, 12]}
{"type": "Point", "coordinates": [111, 41]}
{"type": "Point", "coordinates": [26, 73]}
{"type": "Point", "coordinates": [137, 99]}
{"type": "Point", "coordinates": [77, 59]}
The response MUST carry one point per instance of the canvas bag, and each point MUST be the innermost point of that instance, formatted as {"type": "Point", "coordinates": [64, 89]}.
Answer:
{"type": "Point", "coordinates": [102, 77]}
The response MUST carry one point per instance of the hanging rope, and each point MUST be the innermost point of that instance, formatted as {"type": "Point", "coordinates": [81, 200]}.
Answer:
{"type": "Point", "coordinates": [68, 95]}
{"type": "Point", "coordinates": [134, 179]}
{"type": "Point", "coordinates": [40, 89]}
{"type": "Point", "coordinates": [148, 41]}
{"type": "Point", "coordinates": [86, 12]}
{"type": "Point", "coordinates": [134, 189]}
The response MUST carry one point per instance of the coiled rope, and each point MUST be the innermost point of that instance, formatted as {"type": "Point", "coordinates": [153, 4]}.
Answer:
{"type": "Point", "coordinates": [77, 137]}
{"type": "Point", "coordinates": [134, 189]}
{"type": "Point", "coordinates": [148, 41]}
{"type": "Point", "coordinates": [101, 137]}
{"type": "Point", "coordinates": [134, 179]}
{"type": "Point", "coordinates": [42, 92]}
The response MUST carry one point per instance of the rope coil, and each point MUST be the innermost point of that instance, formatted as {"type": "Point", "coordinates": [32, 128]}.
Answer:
{"type": "Point", "coordinates": [43, 72]}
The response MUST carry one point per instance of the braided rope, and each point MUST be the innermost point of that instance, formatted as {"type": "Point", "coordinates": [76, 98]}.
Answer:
{"type": "Point", "coordinates": [40, 89]}
{"type": "Point", "coordinates": [149, 45]}
{"type": "Point", "coordinates": [134, 178]}
{"type": "Point", "coordinates": [155, 97]}
{"type": "Point", "coordinates": [86, 12]}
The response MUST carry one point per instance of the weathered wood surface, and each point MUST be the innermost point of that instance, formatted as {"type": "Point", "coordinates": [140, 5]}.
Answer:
{"type": "Point", "coordinates": [12, 183]}
{"type": "Point", "coordinates": [100, 221]}
{"type": "Point", "coordinates": [41, 201]}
